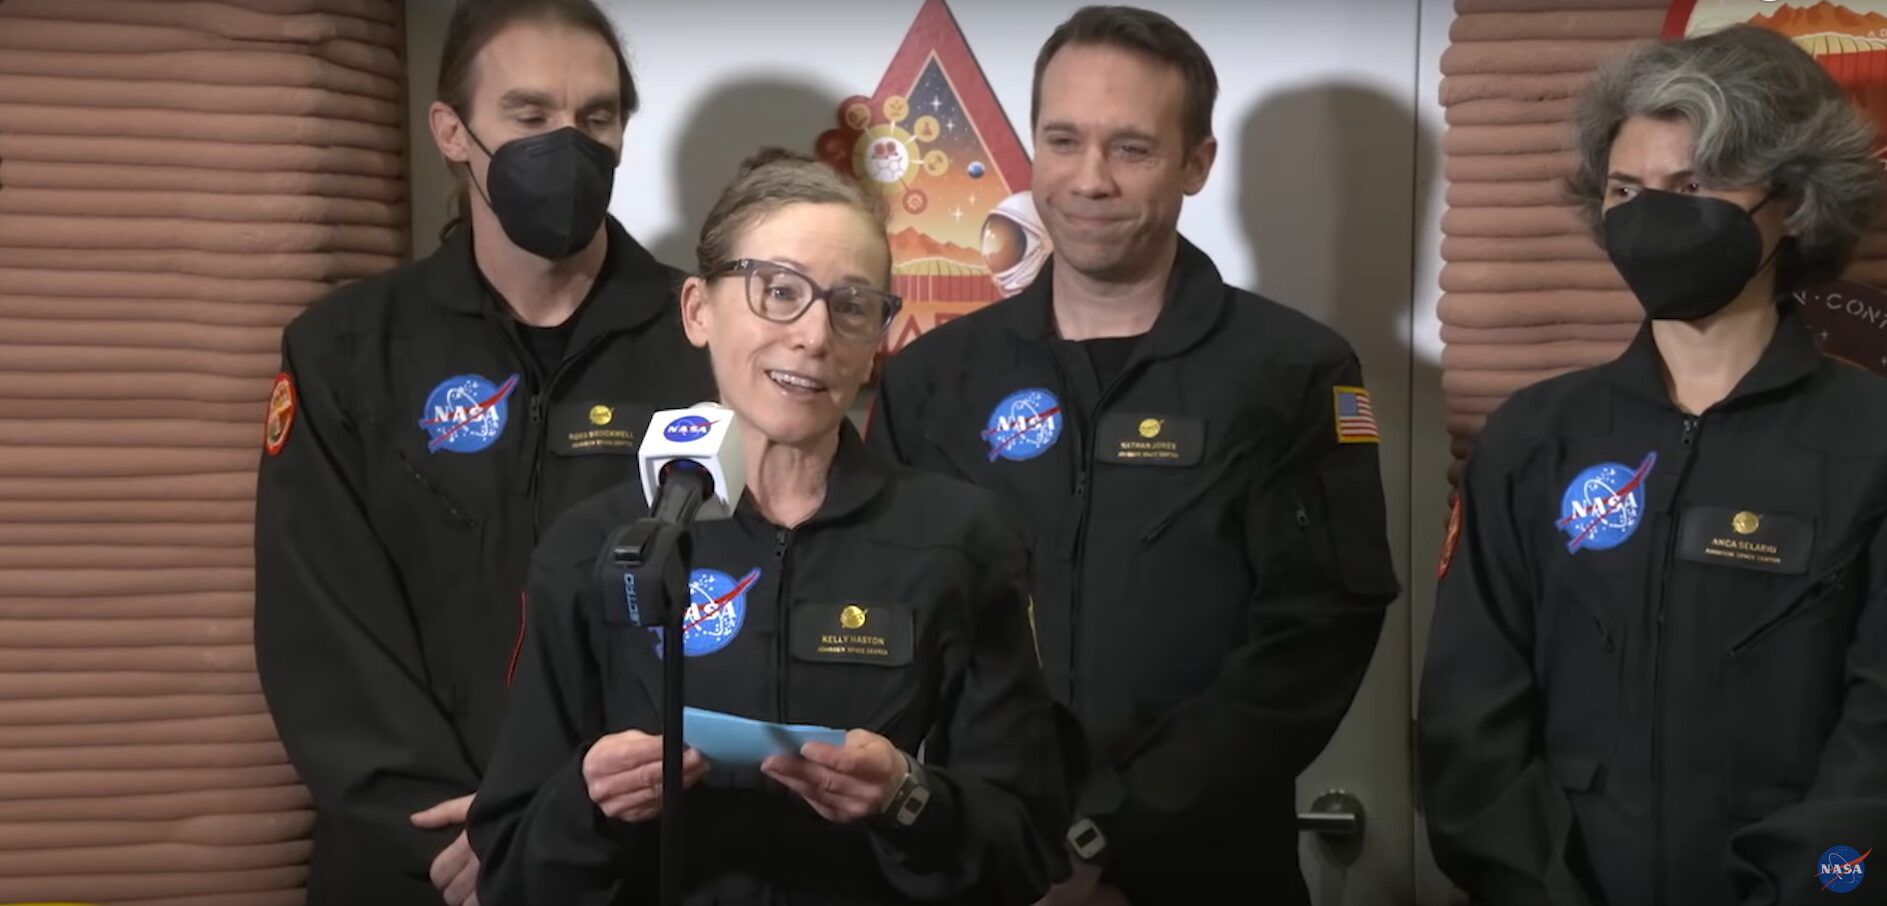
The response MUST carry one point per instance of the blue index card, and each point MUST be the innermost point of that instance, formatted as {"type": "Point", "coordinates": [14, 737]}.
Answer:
{"type": "Point", "coordinates": [731, 741]}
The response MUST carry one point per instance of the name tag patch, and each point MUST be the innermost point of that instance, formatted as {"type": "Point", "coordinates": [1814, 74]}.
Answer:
{"type": "Point", "coordinates": [1149, 439]}
{"type": "Point", "coordinates": [879, 635]}
{"type": "Point", "coordinates": [1745, 539]}
{"type": "Point", "coordinates": [588, 428]}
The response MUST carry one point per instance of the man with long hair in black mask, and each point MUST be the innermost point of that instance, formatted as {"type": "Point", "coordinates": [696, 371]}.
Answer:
{"type": "Point", "coordinates": [429, 423]}
{"type": "Point", "coordinates": [1658, 666]}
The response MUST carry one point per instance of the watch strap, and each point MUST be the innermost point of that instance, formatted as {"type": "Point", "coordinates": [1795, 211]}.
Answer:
{"type": "Point", "coordinates": [1086, 840]}
{"type": "Point", "coordinates": [907, 802]}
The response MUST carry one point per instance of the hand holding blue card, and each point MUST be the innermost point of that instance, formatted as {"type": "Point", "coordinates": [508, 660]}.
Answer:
{"type": "Point", "coordinates": [729, 740]}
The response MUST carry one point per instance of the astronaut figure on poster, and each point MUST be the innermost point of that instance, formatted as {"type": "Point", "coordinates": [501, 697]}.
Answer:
{"type": "Point", "coordinates": [1014, 243]}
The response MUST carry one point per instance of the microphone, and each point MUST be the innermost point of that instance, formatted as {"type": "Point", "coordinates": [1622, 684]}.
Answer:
{"type": "Point", "coordinates": [692, 464]}
{"type": "Point", "coordinates": [692, 469]}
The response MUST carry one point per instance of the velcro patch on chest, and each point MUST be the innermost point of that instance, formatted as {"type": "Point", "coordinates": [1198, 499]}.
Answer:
{"type": "Point", "coordinates": [1726, 536]}
{"type": "Point", "coordinates": [880, 635]}
{"type": "Point", "coordinates": [1145, 439]}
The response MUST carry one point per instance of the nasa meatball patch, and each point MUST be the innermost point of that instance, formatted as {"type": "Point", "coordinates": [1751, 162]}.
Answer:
{"type": "Point", "coordinates": [1024, 425]}
{"type": "Point", "coordinates": [1604, 504]}
{"type": "Point", "coordinates": [717, 609]}
{"type": "Point", "coordinates": [281, 415]}
{"type": "Point", "coordinates": [466, 413]}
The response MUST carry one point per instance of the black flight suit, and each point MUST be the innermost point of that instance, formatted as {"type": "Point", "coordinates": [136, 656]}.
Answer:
{"type": "Point", "coordinates": [1658, 666]}
{"type": "Point", "coordinates": [1210, 556]}
{"type": "Point", "coordinates": [944, 657]}
{"type": "Point", "coordinates": [393, 528]}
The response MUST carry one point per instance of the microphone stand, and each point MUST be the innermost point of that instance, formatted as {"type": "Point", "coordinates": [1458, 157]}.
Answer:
{"type": "Point", "coordinates": [653, 556]}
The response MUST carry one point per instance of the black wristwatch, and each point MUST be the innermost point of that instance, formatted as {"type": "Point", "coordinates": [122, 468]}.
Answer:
{"type": "Point", "coordinates": [1086, 841]}
{"type": "Point", "coordinates": [912, 794]}
{"type": "Point", "coordinates": [1102, 797]}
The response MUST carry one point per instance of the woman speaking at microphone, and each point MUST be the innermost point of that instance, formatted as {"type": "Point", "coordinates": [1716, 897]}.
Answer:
{"type": "Point", "coordinates": [843, 593]}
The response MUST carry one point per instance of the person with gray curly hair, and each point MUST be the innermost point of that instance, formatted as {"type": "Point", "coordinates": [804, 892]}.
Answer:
{"type": "Point", "coordinates": [1755, 119]}
{"type": "Point", "coordinates": [1657, 671]}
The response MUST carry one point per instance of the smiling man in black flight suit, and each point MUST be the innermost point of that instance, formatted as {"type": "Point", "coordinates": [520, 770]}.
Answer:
{"type": "Point", "coordinates": [1196, 468]}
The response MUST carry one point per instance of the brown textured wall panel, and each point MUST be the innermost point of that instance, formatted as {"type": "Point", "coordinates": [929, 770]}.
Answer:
{"type": "Point", "coordinates": [176, 181]}
{"type": "Point", "coordinates": [213, 206]}
{"type": "Point", "coordinates": [1506, 111]}
{"type": "Point", "coordinates": [1459, 88]}
{"type": "Point", "coordinates": [235, 657]}
{"type": "Point", "coordinates": [1554, 25]}
{"type": "Point", "coordinates": [188, 884]}
{"type": "Point", "coordinates": [1507, 167]}
{"type": "Point", "coordinates": [235, 485]}
{"type": "Point", "coordinates": [1573, 8]}
{"type": "Point", "coordinates": [155, 92]}
{"type": "Point", "coordinates": [1577, 247]}
{"type": "Point", "coordinates": [1493, 336]}
{"type": "Point", "coordinates": [81, 512]}
{"type": "Point", "coordinates": [268, 898]}
{"type": "Point", "coordinates": [84, 285]}
{"type": "Point", "coordinates": [183, 152]}
{"type": "Point", "coordinates": [1530, 57]}
{"type": "Point", "coordinates": [245, 128]}
{"type": "Point", "coordinates": [1526, 293]}
{"type": "Point", "coordinates": [213, 729]}
{"type": "Point", "coordinates": [377, 69]}
{"type": "Point", "coordinates": [26, 174]}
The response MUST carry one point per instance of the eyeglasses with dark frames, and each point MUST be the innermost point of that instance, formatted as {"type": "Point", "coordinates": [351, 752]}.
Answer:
{"type": "Point", "coordinates": [782, 294]}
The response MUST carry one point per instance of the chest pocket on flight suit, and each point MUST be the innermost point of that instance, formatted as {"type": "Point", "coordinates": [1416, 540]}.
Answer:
{"type": "Point", "coordinates": [417, 493]}
{"type": "Point", "coordinates": [441, 533]}
{"type": "Point", "coordinates": [1580, 651]}
{"type": "Point", "coordinates": [1786, 671]}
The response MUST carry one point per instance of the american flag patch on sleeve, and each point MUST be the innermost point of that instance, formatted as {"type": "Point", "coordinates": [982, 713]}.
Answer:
{"type": "Point", "coordinates": [1356, 422]}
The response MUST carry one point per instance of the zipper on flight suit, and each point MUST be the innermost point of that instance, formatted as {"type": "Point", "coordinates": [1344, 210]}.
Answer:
{"type": "Point", "coordinates": [1686, 453]}
{"type": "Point", "coordinates": [782, 544]}
{"type": "Point", "coordinates": [543, 388]}
{"type": "Point", "coordinates": [1084, 471]}
{"type": "Point", "coordinates": [538, 437]}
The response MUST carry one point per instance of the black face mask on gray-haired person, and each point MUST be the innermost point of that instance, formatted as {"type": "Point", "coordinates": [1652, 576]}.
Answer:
{"type": "Point", "coordinates": [1685, 256]}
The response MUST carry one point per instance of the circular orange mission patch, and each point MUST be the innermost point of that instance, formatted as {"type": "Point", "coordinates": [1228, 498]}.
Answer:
{"type": "Point", "coordinates": [281, 414]}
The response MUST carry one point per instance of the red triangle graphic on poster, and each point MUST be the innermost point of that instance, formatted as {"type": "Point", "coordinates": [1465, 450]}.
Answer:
{"type": "Point", "coordinates": [955, 179]}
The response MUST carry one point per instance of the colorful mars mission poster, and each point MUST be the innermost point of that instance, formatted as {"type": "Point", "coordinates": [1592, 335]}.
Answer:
{"type": "Point", "coordinates": [1849, 39]}
{"type": "Point", "coordinates": [955, 178]}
